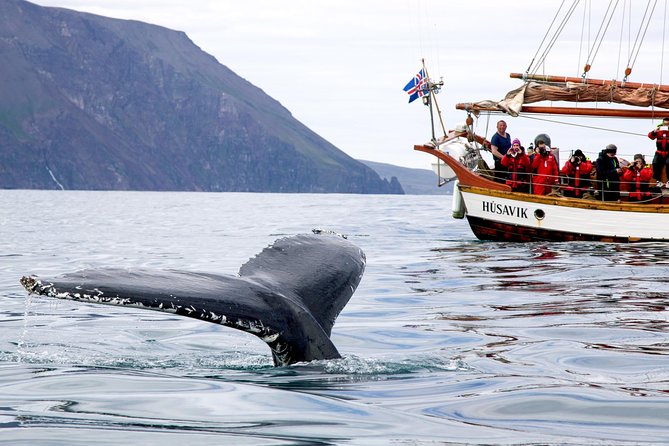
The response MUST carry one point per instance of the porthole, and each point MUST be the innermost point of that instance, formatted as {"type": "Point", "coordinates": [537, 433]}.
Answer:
{"type": "Point", "coordinates": [539, 214]}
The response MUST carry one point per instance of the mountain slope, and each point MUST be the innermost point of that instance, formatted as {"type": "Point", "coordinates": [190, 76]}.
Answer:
{"type": "Point", "coordinates": [88, 102]}
{"type": "Point", "coordinates": [413, 181]}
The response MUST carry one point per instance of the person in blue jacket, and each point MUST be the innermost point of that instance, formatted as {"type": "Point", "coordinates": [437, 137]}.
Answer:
{"type": "Point", "coordinates": [499, 145]}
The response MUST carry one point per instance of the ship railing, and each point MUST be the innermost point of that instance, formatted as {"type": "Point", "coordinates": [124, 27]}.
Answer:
{"type": "Point", "coordinates": [590, 188]}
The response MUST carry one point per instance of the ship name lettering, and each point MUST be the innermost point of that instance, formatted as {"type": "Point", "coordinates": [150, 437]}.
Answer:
{"type": "Point", "coordinates": [504, 209]}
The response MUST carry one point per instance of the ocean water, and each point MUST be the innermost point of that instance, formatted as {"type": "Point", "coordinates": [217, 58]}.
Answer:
{"type": "Point", "coordinates": [448, 340]}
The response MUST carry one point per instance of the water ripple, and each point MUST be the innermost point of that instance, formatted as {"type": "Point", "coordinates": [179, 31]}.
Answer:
{"type": "Point", "coordinates": [447, 340]}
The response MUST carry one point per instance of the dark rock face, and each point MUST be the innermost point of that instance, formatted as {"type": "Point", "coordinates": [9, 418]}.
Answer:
{"type": "Point", "coordinates": [88, 102]}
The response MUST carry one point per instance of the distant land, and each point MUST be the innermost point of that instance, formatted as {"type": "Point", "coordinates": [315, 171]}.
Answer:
{"type": "Point", "coordinates": [413, 181]}
{"type": "Point", "coordinates": [89, 102]}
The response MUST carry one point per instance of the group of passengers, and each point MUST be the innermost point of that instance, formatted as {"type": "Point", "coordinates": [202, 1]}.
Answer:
{"type": "Point", "coordinates": [537, 170]}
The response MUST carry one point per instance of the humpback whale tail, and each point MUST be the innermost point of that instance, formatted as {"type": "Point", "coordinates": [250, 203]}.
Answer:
{"type": "Point", "coordinates": [289, 295]}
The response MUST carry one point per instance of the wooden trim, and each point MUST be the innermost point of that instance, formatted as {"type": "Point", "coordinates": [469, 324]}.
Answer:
{"type": "Point", "coordinates": [574, 111]}
{"type": "Point", "coordinates": [589, 111]}
{"type": "Point", "coordinates": [581, 203]}
{"type": "Point", "coordinates": [580, 80]}
{"type": "Point", "coordinates": [465, 176]}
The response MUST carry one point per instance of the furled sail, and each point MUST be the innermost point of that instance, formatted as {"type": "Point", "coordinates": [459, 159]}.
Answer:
{"type": "Point", "coordinates": [644, 95]}
{"type": "Point", "coordinates": [578, 92]}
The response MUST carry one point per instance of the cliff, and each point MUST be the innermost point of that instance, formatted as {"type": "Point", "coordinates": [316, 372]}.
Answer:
{"type": "Point", "coordinates": [89, 102]}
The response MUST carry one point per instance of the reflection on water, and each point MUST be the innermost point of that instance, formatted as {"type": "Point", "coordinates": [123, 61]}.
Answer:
{"type": "Point", "coordinates": [448, 340]}
{"type": "Point", "coordinates": [578, 330]}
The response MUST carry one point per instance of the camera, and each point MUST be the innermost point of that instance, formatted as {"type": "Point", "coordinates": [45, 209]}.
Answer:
{"type": "Point", "coordinates": [575, 160]}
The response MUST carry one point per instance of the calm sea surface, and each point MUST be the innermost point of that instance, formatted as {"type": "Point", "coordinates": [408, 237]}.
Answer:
{"type": "Point", "coordinates": [447, 340]}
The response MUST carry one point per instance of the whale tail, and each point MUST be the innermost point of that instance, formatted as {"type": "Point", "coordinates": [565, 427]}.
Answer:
{"type": "Point", "coordinates": [289, 295]}
{"type": "Point", "coordinates": [323, 271]}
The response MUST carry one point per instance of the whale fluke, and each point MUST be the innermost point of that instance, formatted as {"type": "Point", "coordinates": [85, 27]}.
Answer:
{"type": "Point", "coordinates": [288, 295]}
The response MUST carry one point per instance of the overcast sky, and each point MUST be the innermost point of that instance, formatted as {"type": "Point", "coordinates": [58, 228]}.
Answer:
{"type": "Point", "coordinates": [339, 66]}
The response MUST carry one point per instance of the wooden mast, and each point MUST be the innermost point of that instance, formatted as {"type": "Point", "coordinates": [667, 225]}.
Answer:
{"type": "Point", "coordinates": [574, 111]}
{"type": "Point", "coordinates": [565, 79]}
{"type": "Point", "coordinates": [580, 111]}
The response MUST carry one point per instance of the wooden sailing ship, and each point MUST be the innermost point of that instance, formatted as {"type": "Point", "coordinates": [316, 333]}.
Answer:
{"type": "Point", "coordinates": [495, 212]}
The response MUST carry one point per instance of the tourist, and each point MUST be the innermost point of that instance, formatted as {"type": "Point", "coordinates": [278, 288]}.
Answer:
{"type": "Point", "coordinates": [499, 145]}
{"type": "Point", "coordinates": [545, 169]}
{"type": "Point", "coordinates": [608, 173]}
{"type": "Point", "coordinates": [638, 175]}
{"type": "Point", "coordinates": [577, 170]}
{"type": "Point", "coordinates": [661, 158]}
{"type": "Point", "coordinates": [517, 164]}
{"type": "Point", "coordinates": [530, 152]}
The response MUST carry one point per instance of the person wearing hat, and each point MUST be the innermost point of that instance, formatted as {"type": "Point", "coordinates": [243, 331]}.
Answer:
{"type": "Point", "coordinates": [608, 173]}
{"type": "Point", "coordinates": [518, 165]}
{"type": "Point", "coordinates": [577, 169]}
{"type": "Point", "coordinates": [661, 159]}
{"type": "Point", "coordinates": [638, 175]}
{"type": "Point", "coordinates": [545, 169]}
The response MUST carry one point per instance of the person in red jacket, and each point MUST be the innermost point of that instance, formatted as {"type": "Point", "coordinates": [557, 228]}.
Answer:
{"type": "Point", "coordinates": [545, 170]}
{"type": "Point", "coordinates": [638, 175]}
{"type": "Point", "coordinates": [661, 158]}
{"type": "Point", "coordinates": [577, 170]}
{"type": "Point", "coordinates": [518, 166]}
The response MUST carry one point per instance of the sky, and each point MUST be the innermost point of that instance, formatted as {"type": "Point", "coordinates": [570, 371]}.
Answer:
{"type": "Point", "coordinates": [339, 66]}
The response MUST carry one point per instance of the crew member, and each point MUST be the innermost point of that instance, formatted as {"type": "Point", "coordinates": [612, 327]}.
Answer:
{"type": "Point", "coordinates": [499, 144]}
{"type": "Point", "coordinates": [661, 158]}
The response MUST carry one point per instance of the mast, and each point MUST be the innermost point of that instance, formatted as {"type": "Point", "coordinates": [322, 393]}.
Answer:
{"type": "Point", "coordinates": [427, 100]}
{"type": "Point", "coordinates": [430, 100]}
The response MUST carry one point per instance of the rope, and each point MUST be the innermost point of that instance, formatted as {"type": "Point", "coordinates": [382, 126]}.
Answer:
{"type": "Point", "coordinates": [580, 45]}
{"type": "Point", "coordinates": [544, 39]}
{"type": "Point", "coordinates": [556, 34]}
{"type": "Point", "coordinates": [637, 48]}
{"type": "Point", "coordinates": [582, 125]}
{"type": "Point", "coordinates": [620, 41]}
{"type": "Point", "coordinates": [664, 28]}
{"type": "Point", "coordinates": [419, 28]}
{"type": "Point", "coordinates": [599, 38]}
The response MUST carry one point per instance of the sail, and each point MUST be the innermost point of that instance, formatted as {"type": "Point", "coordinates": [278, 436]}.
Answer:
{"type": "Point", "coordinates": [640, 95]}
{"type": "Point", "coordinates": [649, 96]}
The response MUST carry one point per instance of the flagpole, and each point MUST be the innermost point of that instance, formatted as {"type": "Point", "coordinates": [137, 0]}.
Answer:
{"type": "Point", "coordinates": [432, 97]}
{"type": "Point", "coordinates": [429, 100]}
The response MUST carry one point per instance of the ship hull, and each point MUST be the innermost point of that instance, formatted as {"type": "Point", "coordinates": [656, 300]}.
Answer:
{"type": "Point", "coordinates": [495, 217]}
{"type": "Point", "coordinates": [496, 213]}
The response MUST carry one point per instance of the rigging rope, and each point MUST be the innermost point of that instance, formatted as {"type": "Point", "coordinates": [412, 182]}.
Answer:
{"type": "Point", "coordinates": [636, 49]}
{"type": "Point", "coordinates": [580, 45]}
{"type": "Point", "coordinates": [599, 38]}
{"type": "Point", "coordinates": [664, 28]}
{"type": "Point", "coordinates": [544, 39]}
{"type": "Point", "coordinates": [622, 31]}
{"type": "Point", "coordinates": [582, 125]}
{"type": "Point", "coordinates": [555, 36]}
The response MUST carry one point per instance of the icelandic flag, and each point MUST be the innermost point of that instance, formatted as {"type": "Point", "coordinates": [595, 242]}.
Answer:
{"type": "Point", "coordinates": [417, 87]}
